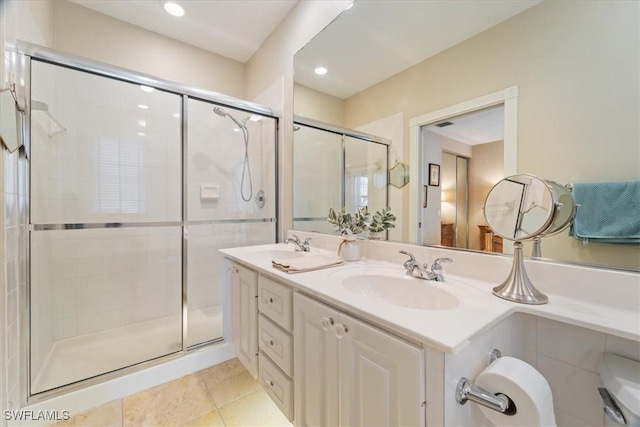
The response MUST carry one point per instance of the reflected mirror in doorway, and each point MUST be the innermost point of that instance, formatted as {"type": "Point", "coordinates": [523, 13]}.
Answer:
{"type": "Point", "coordinates": [399, 175]}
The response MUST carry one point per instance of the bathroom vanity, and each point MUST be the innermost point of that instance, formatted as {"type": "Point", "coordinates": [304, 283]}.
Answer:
{"type": "Point", "coordinates": [364, 344]}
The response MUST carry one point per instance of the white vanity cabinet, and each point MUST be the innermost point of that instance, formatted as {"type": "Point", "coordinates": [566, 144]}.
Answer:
{"type": "Point", "coordinates": [244, 295]}
{"type": "Point", "coordinates": [275, 341]}
{"type": "Point", "coordinates": [349, 373]}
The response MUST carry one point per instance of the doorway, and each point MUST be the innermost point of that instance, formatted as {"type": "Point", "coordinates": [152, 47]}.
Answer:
{"type": "Point", "coordinates": [417, 182]}
{"type": "Point", "coordinates": [468, 150]}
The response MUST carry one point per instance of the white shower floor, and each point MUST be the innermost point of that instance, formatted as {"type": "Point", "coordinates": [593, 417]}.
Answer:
{"type": "Point", "coordinates": [86, 356]}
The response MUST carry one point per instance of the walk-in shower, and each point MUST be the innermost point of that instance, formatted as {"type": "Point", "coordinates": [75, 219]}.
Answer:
{"type": "Point", "coordinates": [127, 209]}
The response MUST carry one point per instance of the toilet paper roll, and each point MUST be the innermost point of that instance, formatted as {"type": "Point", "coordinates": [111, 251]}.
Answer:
{"type": "Point", "coordinates": [525, 386]}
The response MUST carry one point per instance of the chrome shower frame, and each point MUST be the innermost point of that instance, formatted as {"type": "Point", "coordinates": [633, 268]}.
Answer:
{"type": "Point", "coordinates": [28, 52]}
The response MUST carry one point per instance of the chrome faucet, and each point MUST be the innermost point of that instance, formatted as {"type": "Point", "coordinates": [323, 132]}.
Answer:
{"type": "Point", "coordinates": [300, 246]}
{"type": "Point", "coordinates": [414, 268]}
{"type": "Point", "coordinates": [437, 270]}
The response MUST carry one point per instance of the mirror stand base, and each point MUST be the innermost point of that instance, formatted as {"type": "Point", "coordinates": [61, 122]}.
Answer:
{"type": "Point", "coordinates": [518, 288]}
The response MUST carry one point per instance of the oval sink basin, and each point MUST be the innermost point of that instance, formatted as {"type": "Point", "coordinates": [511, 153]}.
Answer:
{"type": "Point", "coordinates": [276, 254]}
{"type": "Point", "coordinates": [402, 291]}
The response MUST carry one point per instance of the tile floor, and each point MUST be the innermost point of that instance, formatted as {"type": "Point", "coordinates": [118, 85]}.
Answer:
{"type": "Point", "coordinates": [224, 395]}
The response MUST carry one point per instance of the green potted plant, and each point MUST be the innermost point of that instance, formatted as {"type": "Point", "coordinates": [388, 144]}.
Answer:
{"type": "Point", "coordinates": [346, 223]}
{"type": "Point", "coordinates": [381, 221]}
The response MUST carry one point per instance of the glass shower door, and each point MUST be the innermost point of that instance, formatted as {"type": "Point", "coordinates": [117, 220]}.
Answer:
{"type": "Point", "coordinates": [106, 220]}
{"type": "Point", "coordinates": [318, 178]}
{"type": "Point", "coordinates": [231, 202]}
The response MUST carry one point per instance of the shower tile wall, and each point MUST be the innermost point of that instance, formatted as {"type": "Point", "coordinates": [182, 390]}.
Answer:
{"type": "Point", "coordinates": [15, 185]}
{"type": "Point", "coordinates": [216, 154]}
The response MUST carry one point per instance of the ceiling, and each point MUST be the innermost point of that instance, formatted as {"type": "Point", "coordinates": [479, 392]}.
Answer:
{"type": "Point", "coordinates": [475, 128]}
{"type": "Point", "coordinates": [234, 29]}
{"type": "Point", "coordinates": [376, 39]}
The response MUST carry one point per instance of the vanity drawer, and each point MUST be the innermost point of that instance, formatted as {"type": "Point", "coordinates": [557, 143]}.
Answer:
{"type": "Point", "coordinates": [275, 301]}
{"type": "Point", "coordinates": [276, 344]}
{"type": "Point", "coordinates": [277, 385]}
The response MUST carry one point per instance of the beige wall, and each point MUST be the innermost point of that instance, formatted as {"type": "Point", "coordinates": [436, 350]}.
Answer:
{"type": "Point", "coordinates": [84, 32]}
{"type": "Point", "coordinates": [576, 65]}
{"type": "Point", "coordinates": [317, 105]}
{"type": "Point", "coordinates": [485, 170]}
{"type": "Point", "coordinates": [273, 63]}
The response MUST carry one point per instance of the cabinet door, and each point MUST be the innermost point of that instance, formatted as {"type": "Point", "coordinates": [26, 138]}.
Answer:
{"type": "Point", "coordinates": [315, 364]}
{"type": "Point", "coordinates": [381, 377]}
{"type": "Point", "coordinates": [245, 316]}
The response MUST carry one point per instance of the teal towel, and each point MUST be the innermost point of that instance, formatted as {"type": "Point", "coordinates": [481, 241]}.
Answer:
{"type": "Point", "coordinates": [609, 212]}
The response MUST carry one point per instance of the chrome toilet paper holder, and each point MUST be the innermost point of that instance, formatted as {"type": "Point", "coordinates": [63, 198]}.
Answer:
{"type": "Point", "coordinates": [466, 390]}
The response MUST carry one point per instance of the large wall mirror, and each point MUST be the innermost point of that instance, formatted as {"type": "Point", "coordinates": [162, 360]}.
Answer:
{"type": "Point", "coordinates": [575, 66]}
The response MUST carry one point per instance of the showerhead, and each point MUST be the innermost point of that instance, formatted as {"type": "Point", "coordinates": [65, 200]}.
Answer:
{"type": "Point", "coordinates": [219, 111]}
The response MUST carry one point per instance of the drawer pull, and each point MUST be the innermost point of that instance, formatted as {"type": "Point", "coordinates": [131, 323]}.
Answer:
{"type": "Point", "coordinates": [327, 322]}
{"type": "Point", "coordinates": [268, 384]}
{"type": "Point", "coordinates": [268, 300]}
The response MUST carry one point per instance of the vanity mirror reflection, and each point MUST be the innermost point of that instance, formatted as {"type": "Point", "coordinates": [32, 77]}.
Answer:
{"type": "Point", "coordinates": [524, 207]}
{"type": "Point", "coordinates": [576, 118]}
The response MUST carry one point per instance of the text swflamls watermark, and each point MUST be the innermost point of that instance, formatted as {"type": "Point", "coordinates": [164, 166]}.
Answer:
{"type": "Point", "coordinates": [31, 415]}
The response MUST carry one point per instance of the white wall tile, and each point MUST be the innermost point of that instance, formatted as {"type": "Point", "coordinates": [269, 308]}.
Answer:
{"type": "Point", "coordinates": [565, 420]}
{"type": "Point", "coordinates": [570, 344]}
{"type": "Point", "coordinates": [575, 390]}
{"type": "Point", "coordinates": [623, 347]}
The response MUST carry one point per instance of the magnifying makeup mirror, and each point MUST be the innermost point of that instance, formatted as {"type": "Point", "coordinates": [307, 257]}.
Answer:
{"type": "Point", "coordinates": [520, 208]}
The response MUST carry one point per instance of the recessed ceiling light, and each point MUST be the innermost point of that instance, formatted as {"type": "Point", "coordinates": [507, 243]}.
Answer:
{"type": "Point", "coordinates": [255, 118]}
{"type": "Point", "coordinates": [146, 88]}
{"type": "Point", "coordinates": [174, 9]}
{"type": "Point", "coordinates": [321, 71]}
{"type": "Point", "coordinates": [142, 106]}
{"type": "Point", "coordinates": [142, 123]}
{"type": "Point", "coordinates": [176, 115]}
{"type": "Point", "coordinates": [236, 130]}
{"type": "Point", "coordinates": [140, 134]}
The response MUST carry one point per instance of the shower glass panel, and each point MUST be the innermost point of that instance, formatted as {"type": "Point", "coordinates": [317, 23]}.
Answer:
{"type": "Point", "coordinates": [365, 175]}
{"type": "Point", "coordinates": [231, 202]}
{"type": "Point", "coordinates": [318, 178]}
{"type": "Point", "coordinates": [106, 218]}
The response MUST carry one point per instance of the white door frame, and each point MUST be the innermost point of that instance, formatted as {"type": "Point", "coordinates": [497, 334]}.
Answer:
{"type": "Point", "coordinates": [508, 97]}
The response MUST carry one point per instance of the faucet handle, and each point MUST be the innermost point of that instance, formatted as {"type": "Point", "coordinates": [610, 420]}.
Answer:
{"type": "Point", "coordinates": [307, 240]}
{"type": "Point", "coordinates": [436, 263]}
{"type": "Point", "coordinates": [296, 238]}
{"type": "Point", "coordinates": [409, 254]}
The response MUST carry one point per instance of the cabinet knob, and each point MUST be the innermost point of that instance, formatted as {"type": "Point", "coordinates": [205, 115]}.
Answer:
{"type": "Point", "coordinates": [327, 322]}
{"type": "Point", "coordinates": [268, 383]}
{"type": "Point", "coordinates": [341, 330]}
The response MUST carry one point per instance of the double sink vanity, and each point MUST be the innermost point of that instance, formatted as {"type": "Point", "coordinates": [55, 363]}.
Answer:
{"type": "Point", "coordinates": [365, 343]}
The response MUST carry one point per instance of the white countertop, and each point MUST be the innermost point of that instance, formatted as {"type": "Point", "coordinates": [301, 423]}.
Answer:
{"type": "Point", "coordinates": [446, 330]}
